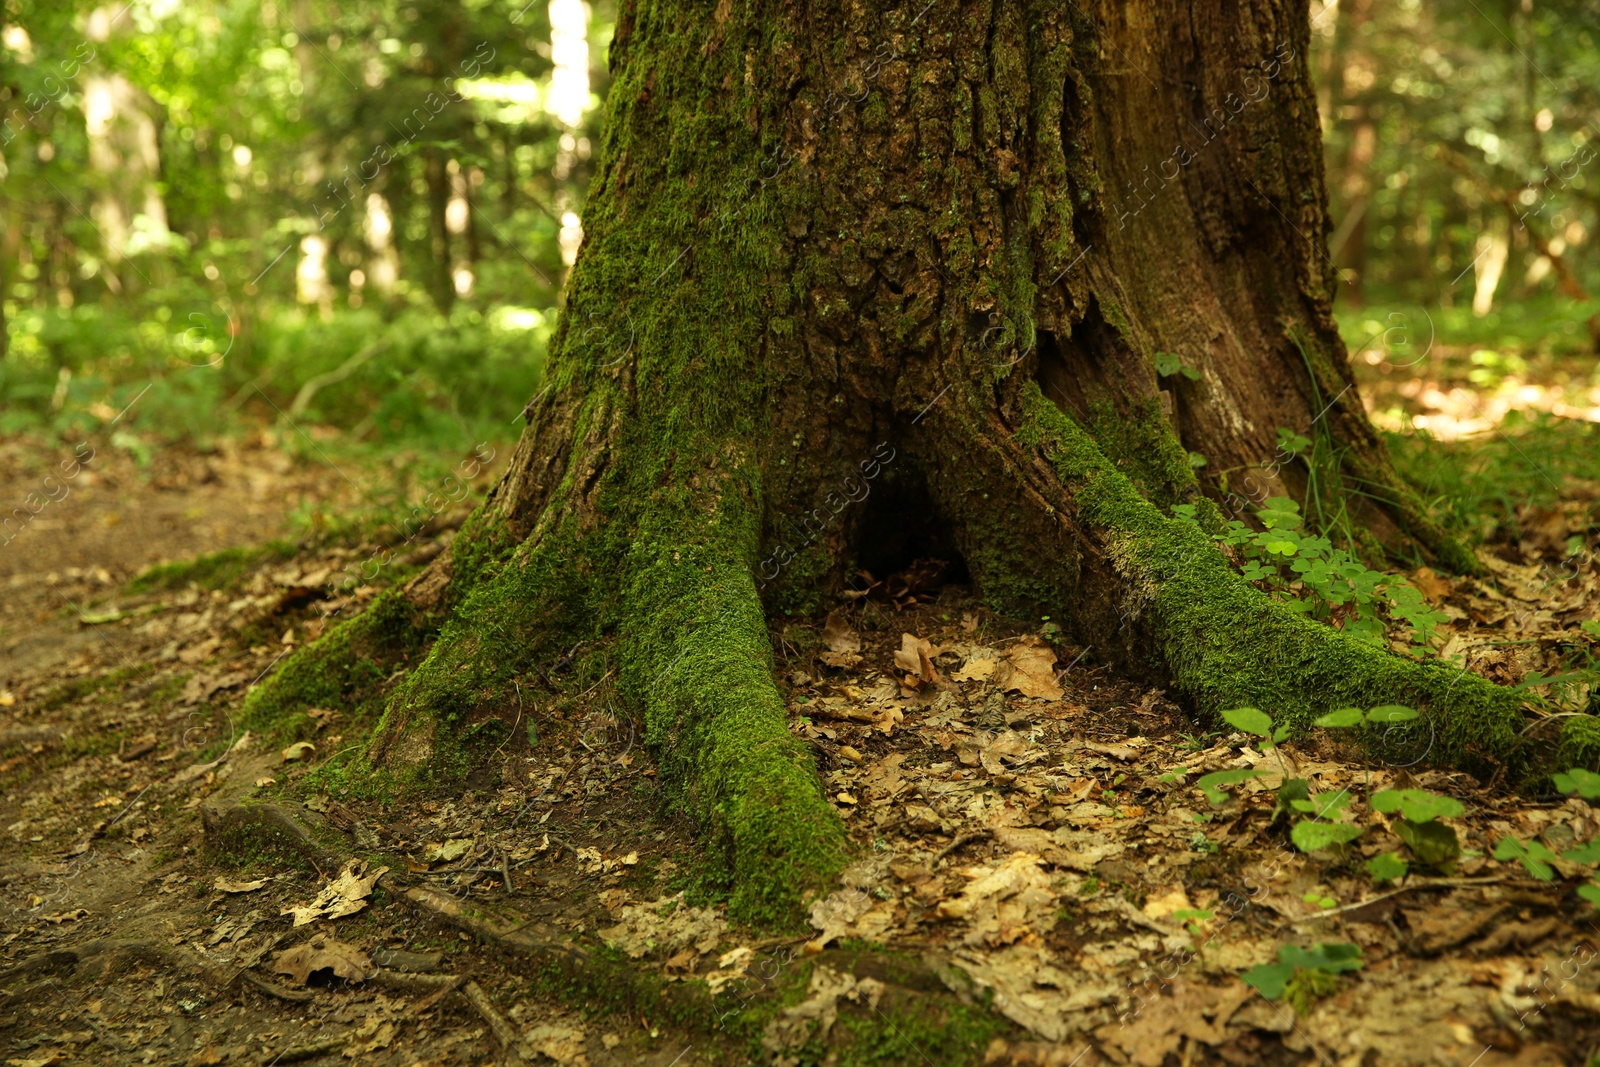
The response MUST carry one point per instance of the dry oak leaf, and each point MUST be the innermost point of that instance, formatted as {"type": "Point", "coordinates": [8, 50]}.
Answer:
{"type": "Point", "coordinates": [323, 954]}
{"type": "Point", "coordinates": [450, 851]}
{"type": "Point", "coordinates": [915, 657]}
{"type": "Point", "coordinates": [298, 751]}
{"type": "Point", "coordinates": [978, 665]}
{"type": "Point", "coordinates": [345, 895]}
{"type": "Point", "coordinates": [665, 926]}
{"type": "Point", "coordinates": [1431, 585]}
{"type": "Point", "coordinates": [66, 916]}
{"type": "Point", "coordinates": [1029, 669]}
{"type": "Point", "coordinates": [372, 1035]}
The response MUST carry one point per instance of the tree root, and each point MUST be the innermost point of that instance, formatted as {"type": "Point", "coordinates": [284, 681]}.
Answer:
{"type": "Point", "coordinates": [1225, 643]}
{"type": "Point", "coordinates": [928, 993]}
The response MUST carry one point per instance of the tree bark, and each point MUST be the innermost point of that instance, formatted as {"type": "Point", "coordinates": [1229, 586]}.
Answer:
{"type": "Point", "coordinates": [875, 266]}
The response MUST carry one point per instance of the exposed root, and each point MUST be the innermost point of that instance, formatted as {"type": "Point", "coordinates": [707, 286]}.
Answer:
{"type": "Point", "coordinates": [1226, 643]}
{"type": "Point", "coordinates": [928, 994]}
{"type": "Point", "coordinates": [703, 670]}
{"type": "Point", "coordinates": [505, 1035]}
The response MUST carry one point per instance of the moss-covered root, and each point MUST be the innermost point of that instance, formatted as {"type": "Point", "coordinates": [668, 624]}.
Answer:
{"type": "Point", "coordinates": [699, 661]}
{"type": "Point", "coordinates": [344, 666]}
{"type": "Point", "coordinates": [1227, 644]}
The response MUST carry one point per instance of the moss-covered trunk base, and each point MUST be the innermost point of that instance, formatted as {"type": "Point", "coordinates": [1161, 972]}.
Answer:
{"type": "Point", "coordinates": [862, 281]}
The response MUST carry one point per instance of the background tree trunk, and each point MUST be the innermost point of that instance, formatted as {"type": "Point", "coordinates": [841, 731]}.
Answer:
{"type": "Point", "coordinates": [866, 280]}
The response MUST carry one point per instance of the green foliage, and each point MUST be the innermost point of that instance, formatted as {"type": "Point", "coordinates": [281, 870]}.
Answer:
{"type": "Point", "coordinates": [267, 138]}
{"type": "Point", "coordinates": [1417, 805]}
{"type": "Point", "coordinates": [1485, 485]}
{"type": "Point", "coordinates": [1341, 719]}
{"type": "Point", "coordinates": [1390, 714]}
{"type": "Point", "coordinates": [1212, 783]}
{"type": "Point", "coordinates": [1309, 836]}
{"type": "Point", "coordinates": [1303, 974]}
{"type": "Point", "coordinates": [1170, 363]}
{"type": "Point", "coordinates": [1250, 720]}
{"type": "Point", "coordinates": [1533, 855]}
{"type": "Point", "coordinates": [1583, 782]}
{"type": "Point", "coordinates": [1387, 866]}
{"type": "Point", "coordinates": [1433, 843]}
{"type": "Point", "coordinates": [1309, 574]}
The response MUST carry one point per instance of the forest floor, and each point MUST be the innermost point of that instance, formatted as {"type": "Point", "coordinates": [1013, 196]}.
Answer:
{"type": "Point", "coordinates": [1041, 880]}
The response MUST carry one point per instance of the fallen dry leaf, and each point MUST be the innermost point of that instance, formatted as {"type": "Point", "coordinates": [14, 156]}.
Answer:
{"type": "Point", "coordinates": [450, 851]}
{"type": "Point", "coordinates": [979, 665]}
{"type": "Point", "coordinates": [370, 1036]}
{"type": "Point", "coordinates": [1004, 903]}
{"type": "Point", "coordinates": [666, 925]}
{"type": "Point", "coordinates": [345, 895]}
{"type": "Point", "coordinates": [1157, 1029]}
{"type": "Point", "coordinates": [1431, 585]}
{"type": "Point", "coordinates": [344, 960]}
{"type": "Point", "coordinates": [188, 774]}
{"type": "Point", "coordinates": [564, 1044]}
{"type": "Point", "coordinates": [1029, 669]}
{"type": "Point", "coordinates": [298, 751]}
{"type": "Point", "coordinates": [66, 916]}
{"type": "Point", "coordinates": [1125, 753]}
{"type": "Point", "coordinates": [915, 658]}
{"type": "Point", "coordinates": [238, 887]}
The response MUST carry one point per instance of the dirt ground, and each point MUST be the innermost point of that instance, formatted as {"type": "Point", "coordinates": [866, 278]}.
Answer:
{"type": "Point", "coordinates": [1041, 880]}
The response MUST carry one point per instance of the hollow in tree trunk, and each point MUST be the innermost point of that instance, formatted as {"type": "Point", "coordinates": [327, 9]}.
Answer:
{"type": "Point", "coordinates": [865, 278]}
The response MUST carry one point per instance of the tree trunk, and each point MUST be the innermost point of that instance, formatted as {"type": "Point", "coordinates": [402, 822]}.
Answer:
{"type": "Point", "coordinates": [441, 280]}
{"type": "Point", "coordinates": [866, 267]}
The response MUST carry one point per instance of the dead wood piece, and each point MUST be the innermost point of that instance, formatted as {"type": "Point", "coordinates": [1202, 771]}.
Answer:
{"type": "Point", "coordinates": [504, 1033]}
{"type": "Point", "coordinates": [414, 962]}
{"type": "Point", "coordinates": [272, 989]}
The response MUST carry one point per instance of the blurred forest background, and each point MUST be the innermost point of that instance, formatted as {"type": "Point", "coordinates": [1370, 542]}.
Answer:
{"type": "Point", "coordinates": [345, 226]}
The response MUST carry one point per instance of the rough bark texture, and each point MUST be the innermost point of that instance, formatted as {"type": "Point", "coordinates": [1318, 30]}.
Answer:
{"type": "Point", "coordinates": [867, 278]}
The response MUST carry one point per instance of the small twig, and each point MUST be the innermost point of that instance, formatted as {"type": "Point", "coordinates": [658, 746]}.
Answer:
{"type": "Point", "coordinates": [1430, 883]}
{"type": "Point", "coordinates": [961, 840]}
{"type": "Point", "coordinates": [505, 870]}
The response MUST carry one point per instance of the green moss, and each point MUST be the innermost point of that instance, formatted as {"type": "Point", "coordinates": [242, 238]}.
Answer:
{"type": "Point", "coordinates": [217, 570]}
{"type": "Point", "coordinates": [1148, 452]}
{"type": "Point", "coordinates": [702, 669]}
{"type": "Point", "coordinates": [1226, 643]}
{"type": "Point", "coordinates": [341, 669]}
{"type": "Point", "coordinates": [1580, 743]}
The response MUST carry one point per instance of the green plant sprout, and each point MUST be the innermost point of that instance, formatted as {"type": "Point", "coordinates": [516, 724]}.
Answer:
{"type": "Point", "coordinates": [1303, 974]}
{"type": "Point", "coordinates": [1170, 363]}
{"type": "Point", "coordinates": [1192, 918]}
{"type": "Point", "coordinates": [1431, 842]}
{"type": "Point", "coordinates": [1536, 858]}
{"type": "Point", "coordinates": [1533, 855]}
{"type": "Point", "coordinates": [1310, 575]}
{"type": "Point", "coordinates": [1387, 866]}
{"type": "Point", "coordinates": [1251, 721]}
